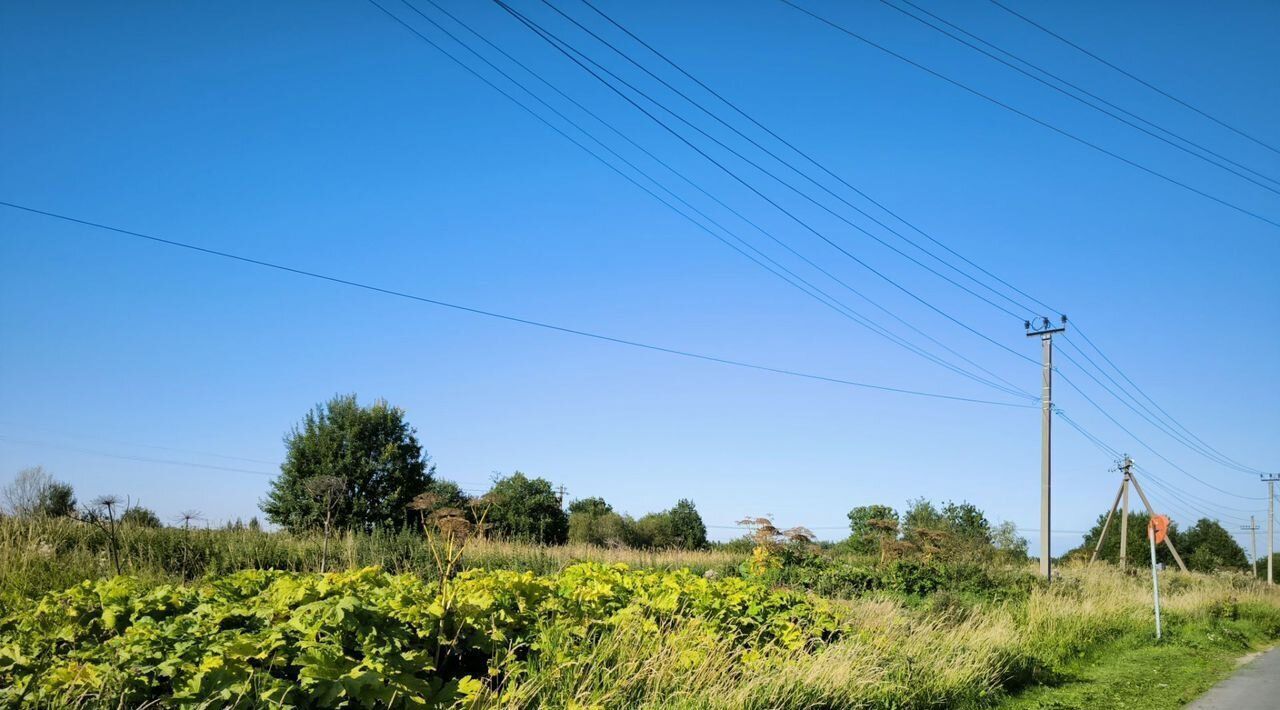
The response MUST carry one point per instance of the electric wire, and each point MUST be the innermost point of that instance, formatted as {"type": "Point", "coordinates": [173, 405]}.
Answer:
{"type": "Point", "coordinates": [500, 316]}
{"type": "Point", "coordinates": [1209, 510]}
{"type": "Point", "coordinates": [1148, 475]}
{"type": "Point", "coordinates": [545, 34]}
{"type": "Point", "coordinates": [1115, 455]}
{"type": "Point", "coordinates": [1143, 443]}
{"type": "Point", "coordinates": [1029, 117]}
{"type": "Point", "coordinates": [1077, 98]}
{"type": "Point", "coordinates": [1219, 456]}
{"type": "Point", "coordinates": [1162, 423]}
{"type": "Point", "coordinates": [1173, 434]}
{"type": "Point", "coordinates": [1145, 83]}
{"type": "Point", "coordinates": [140, 445]}
{"type": "Point", "coordinates": [818, 164]}
{"type": "Point", "coordinates": [820, 295]}
{"type": "Point", "coordinates": [823, 297]}
{"type": "Point", "coordinates": [715, 116]}
{"type": "Point", "coordinates": [144, 459]}
{"type": "Point", "coordinates": [569, 52]}
{"type": "Point", "coordinates": [1144, 395]}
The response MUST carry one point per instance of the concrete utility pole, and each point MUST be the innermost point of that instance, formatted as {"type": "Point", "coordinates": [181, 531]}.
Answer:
{"type": "Point", "coordinates": [1124, 511]}
{"type": "Point", "coordinates": [1271, 479]}
{"type": "Point", "coordinates": [1252, 527]}
{"type": "Point", "coordinates": [1046, 432]}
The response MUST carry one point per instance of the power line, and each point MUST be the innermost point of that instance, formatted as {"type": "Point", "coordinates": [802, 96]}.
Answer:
{"type": "Point", "coordinates": [819, 165]}
{"type": "Point", "coordinates": [1170, 418]}
{"type": "Point", "coordinates": [1198, 506]}
{"type": "Point", "coordinates": [1173, 434]}
{"type": "Point", "coordinates": [1145, 83]}
{"type": "Point", "coordinates": [569, 52]}
{"type": "Point", "coordinates": [791, 277]}
{"type": "Point", "coordinates": [93, 452]}
{"type": "Point", "coordinates": [545, 34]}
{"type": "Point", "coordinates": [1030, 117]}
{"type": "Point", "coordinates": [804, 175]}
{"type": "Point", "coordinates": [500, 316]}
{"type": "Point", "coordinates": [1144, 444]}
{"type": "Point", "coordinates": [145, 446]}
{"type": "Point", "coordinates": [1086, 92]}
{"type": "Point", "coordinates": [1114, 454]}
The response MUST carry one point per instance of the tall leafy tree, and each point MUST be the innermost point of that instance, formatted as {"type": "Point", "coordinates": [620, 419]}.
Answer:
{"type": "Point", "coordinates": [687, 529]}
{"type": "Point", "coordinates": [967, 523]}
{"type": "Point", "coordinates": [593, 522]}
{"type": "Point", "coordinates": [1008, 543]}
{"type": "Point", "coordinates": [921, 516]}
{"type": "Point", "coordinates": [869, 525]}
{"type": "Point", "coordinates": [372, 450]}
{"type": "Point", "coordinates": [1138, 552]}
{"type": "Point", "coordinates": [140, 517]}
{"type": "Point", "coordinates": [1208, 547]}
{"type": "Point", "coordinates": [680, 527]}
{"type": "Point", "coordinates": [34, 492]}
{"type": "Point", "coordinates": [590, 506]}
{"type": "Point", "coordinates": [526, 508]}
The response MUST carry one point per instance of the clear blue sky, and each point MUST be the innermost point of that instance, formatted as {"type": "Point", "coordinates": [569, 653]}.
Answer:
{"type": "Point", "coordinates": [325, 136]}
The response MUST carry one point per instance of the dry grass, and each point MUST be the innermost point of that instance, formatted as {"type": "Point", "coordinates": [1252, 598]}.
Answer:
{"type": "Point", "coordinates": [42, 555]}
{"type": "Point", "coordinates": [892, 652]}
{"type": "Point", "coordinates": [895, 656]}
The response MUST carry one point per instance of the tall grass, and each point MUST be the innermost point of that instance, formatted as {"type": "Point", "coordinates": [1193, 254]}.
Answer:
{"type": "Point", "coordinates": [943, 648]}
{"type": "Point", "coordinates": [894, 655]}
{"type": "Point", "coordinates": [38, 555]}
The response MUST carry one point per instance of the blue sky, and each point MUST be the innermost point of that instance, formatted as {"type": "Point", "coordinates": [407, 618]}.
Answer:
{"type": "Point", "coordinates": [326, 137]}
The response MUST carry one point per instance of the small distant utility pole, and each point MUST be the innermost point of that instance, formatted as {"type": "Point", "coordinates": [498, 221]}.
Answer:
{"type": "Point", "coordinates": [560, 494]}
{"type": "Point", "coordinates": [1271, 479]}
{"type": "Point", "coordinates": [1046, 430]}
{"type": "Point", "coordinates": [1252, 527]}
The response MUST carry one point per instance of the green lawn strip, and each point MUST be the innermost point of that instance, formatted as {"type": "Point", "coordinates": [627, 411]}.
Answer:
{"type": "Point", "coordinates": [1139, 673]}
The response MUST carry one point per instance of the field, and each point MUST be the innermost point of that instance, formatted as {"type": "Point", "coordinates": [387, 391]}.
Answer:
{"type": "Point", "coordinates": [242, 618]}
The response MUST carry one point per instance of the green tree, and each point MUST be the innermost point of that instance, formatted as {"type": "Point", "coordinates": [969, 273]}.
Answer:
{"type": "Point", "coordinates": [1138, 553]}
{"type": "Point", "coordinates": [688, 532]}
{"type": "Point", "coordinates": [593, 522]}
{"type": "Point", "coordinates": [526, 508]}
{"type": "Point", "coordinates": [371, 449]}
{"type": "Point", "coordinates": [590, 506]}
{"type": "Point", "coordinates": [921, 515]}
{"type": "Point", "coordinates": [58, 500]}
{"type": "Point", "coordinates": [678, 527]}
{"type": "Point", "coordinates": [654, 530]}
{"type": "Point", "coordinates": [1008, 543]}
{"type": "Point", "coordinates": [1208, 547]}
{"type": "Point", "coordinates": [34, 492]}
{"type": "Point", "coordinates": [869, 525]}
{"type": "Point", "coordinates": [608, 530]}
{"type": "Point", "coordinates": [967, 523]}
{"type": "Point", "coordinates": [140, 517]}
{"type": "Point", "coordinates": [448, 494]}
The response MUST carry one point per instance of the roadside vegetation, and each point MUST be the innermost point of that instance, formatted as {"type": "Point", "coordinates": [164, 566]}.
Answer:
{"type": "Point", "coordinates": [520, 599]}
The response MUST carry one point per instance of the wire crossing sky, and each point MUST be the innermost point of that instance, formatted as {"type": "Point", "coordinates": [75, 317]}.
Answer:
{"type": "Point", "coordinates": [561, 164]}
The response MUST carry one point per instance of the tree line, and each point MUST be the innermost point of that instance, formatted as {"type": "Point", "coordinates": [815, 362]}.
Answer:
{"type": "Point", "coordinates": [349, 467]}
